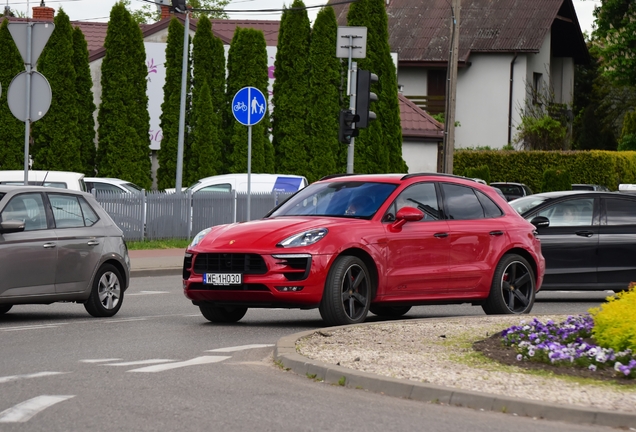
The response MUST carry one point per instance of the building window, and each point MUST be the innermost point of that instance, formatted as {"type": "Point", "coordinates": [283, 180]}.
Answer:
{"type": "Point", "coordinates": [537, 79]}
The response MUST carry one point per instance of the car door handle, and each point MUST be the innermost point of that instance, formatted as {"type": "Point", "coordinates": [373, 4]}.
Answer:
{"type": "Point", "coordinates": [48, 245]}
{"type": "Point", "coordinates": [441, 235]}
{"type": "Point", "coordinates": [584, 233]}
{"type": "Point", "coordinates": [93, 243]}
{"type": "Point", "coordinates": [496, 233]}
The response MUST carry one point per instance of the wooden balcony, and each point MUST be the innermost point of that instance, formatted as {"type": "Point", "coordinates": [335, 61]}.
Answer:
{"type": "Point", "coordinates": [431, 104]}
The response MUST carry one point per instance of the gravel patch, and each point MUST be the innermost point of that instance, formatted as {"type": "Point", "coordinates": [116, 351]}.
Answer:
{"type": "Point", "coordinates": [439, 352]}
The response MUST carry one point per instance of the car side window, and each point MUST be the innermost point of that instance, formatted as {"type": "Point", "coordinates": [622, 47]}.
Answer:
{"type": "Point", "coordinates": [491, 210]}
{"type": "Point", "coordinates": [105, 187]}
{"type": "Point", "coordinates": [620, 211]}
{"type": "Point", "coordinates": [461, 202]}
{"type": "Point", "coordinates": [421, 196]}
{"type": "Point", "coordinates": [217, 188]}
{"type": "Point", "coordinates": [576, 212]}
{"type": "Point", "coordinates": [67, 211]}
{"type": "Point", "coordinates": [90, 217]}
{"type": "Point", "coordinates": [28, 208]}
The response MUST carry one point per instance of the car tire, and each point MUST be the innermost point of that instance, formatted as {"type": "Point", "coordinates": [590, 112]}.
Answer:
{"type": "Point", "coordinates": [347, 294]}
{"type": "Point", "coordinates": [389, 311]}
{"type": "Point", "coordinates": [219, 314]}
{"type": "Point", "coordinates": [5, 308]}
{"type": "Point", "coordinates": [107, 293]}
{"type": "Point", "coordinates": [513, 287]}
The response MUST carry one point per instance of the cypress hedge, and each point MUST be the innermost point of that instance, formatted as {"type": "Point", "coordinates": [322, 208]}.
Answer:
{"type": "Point", "coordinates": [170, 108]}
{"type": "Point", "coordinates": [85, 104]}
{"type": "Point", "coordinates": [206, 146]}
{"type": "Point", "coordinates": [290, 92]}
{"type": "Point", "coordinates": [11, 129]}
{"type": "Point", "coordinates": [56, 145]}
{"type": "Point", "coordinates": [326, 154]}
{"type": "Point", "coordinates": [123, 131]}
{"type": "Point", "coordinates": [247, 66]}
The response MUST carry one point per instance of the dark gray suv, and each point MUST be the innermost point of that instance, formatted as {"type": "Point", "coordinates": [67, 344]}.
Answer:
{"type": "Point", "coordinates": [60, 245]}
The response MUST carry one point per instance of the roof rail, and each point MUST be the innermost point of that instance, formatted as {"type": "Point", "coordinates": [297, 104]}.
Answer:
{"type": "Point", "coordinates": [330, 176]}
{"type": "Point", "coordinates": [407, 176]}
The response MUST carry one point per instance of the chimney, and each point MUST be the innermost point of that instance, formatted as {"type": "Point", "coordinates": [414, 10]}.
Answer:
{"type": "Point", "coordinates": [43, 13]}
{"type": "Point", "coordinates": [165, 12]}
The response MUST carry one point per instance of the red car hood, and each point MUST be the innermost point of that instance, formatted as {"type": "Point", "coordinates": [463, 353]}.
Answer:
{"type": "Point", "coordinates": [265, 233]}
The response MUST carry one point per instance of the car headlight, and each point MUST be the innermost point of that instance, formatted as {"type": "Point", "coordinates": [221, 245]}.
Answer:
{"type": "Point", "coordinates": [304, 238]}
{"type": "Point", "coordinates": [197, 238]}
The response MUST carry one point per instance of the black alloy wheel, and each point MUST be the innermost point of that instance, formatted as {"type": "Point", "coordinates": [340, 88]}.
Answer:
{"type": "Point", "coordinates": [347, 295]}
{"type": "Point", "coordinates": [513, 287]}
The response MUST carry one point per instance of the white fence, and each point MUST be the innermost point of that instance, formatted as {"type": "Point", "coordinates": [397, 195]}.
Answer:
{"type": "Point", "coordinates": [160, 215]}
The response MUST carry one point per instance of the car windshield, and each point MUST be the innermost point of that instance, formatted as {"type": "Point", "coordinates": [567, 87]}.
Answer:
{"type": "Point", "coordinates": [510, 189]}
{"type": "Point", "coordinates": [345, 199]}
{"type": "Point", "coordinates": [522, 205]}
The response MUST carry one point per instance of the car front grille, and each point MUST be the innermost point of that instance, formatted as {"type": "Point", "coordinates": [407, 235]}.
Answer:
{"type": "Point", "coordinates": [229, 263]}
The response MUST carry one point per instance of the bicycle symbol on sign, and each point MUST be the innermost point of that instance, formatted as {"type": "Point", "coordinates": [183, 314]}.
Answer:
{"type": "Point", "coordinates": [240, 106]}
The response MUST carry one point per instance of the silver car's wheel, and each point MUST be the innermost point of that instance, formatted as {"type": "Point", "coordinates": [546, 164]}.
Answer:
{"type": "Point", "coordinates": [513, 287]}
{"type": "Point", "coordinates": [347, 295]}
{"type": "Point", "coordinates": [5, 308]}
{"type": "Point", "coordinates": [107, 293]}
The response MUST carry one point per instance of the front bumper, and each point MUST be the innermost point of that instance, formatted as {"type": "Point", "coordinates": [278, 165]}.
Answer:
{"type": "Point", "coordinates": [281, 283]}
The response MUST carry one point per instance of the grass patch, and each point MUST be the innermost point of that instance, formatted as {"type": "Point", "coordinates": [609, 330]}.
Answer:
{"type": "Point", "coordinates": [342, 381]}
{"type": "Point", "coordinates": [158, 244]}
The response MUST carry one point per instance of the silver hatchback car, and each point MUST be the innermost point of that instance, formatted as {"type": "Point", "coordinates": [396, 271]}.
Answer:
{"type": "Point", "coordinates": [60, 245]}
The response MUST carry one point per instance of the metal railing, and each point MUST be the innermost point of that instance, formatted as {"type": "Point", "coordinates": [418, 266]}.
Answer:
{"type": "Point", "coordinates": [159, 215]}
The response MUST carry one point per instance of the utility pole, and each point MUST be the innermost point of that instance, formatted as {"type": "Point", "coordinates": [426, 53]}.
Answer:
{"type": "Point", "coordinates": [451, 88]}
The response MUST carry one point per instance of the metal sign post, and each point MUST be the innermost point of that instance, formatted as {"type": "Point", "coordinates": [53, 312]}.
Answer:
{"type": "Point", "coordinates": [249, 107]}
{"type": "Point", "coordinates": [352, 49]}
{"type": "Point", "coordinates": [30, 38]}
{"type": "Point", "coordinates": [182, 105]}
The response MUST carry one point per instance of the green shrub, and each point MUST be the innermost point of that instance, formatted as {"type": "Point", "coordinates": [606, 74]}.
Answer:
{"type": "Point", "coordinates": [482, 172]}
{"type": "Point", "coordinates": [627, 142]}
{"type": "Point", "coordinates": [544, 133]}
{"type": "Point", "coordinates": [615, 322]}
{"type": "Point", "coordinates": [556, 180]}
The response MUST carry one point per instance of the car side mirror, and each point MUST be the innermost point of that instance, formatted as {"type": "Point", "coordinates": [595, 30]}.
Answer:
{"type": "Point", "coordinates": [540, 222]}
{"type": "Point", "coordinates": [11, 226]}
{"type": "Point", "coordinates": [407, 214]}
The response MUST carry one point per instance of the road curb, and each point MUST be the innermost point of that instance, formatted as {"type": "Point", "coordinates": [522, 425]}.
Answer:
{"type": "Point", "coordinates": [285, 353]}
{"type": "Point", "coordinates": [168, 271]}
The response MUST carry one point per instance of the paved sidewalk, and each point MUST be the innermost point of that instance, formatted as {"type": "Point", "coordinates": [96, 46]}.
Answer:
{"type": "Point", "coordinates": [156, 262]}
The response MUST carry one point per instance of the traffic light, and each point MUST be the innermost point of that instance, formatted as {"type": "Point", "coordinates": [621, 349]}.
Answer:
{"type": "Point", "coordinates": [364, 97]}
{"type": "Point", "coordinates": [347, 129]}
{"type": "Point", "coordinates": [179, 5]}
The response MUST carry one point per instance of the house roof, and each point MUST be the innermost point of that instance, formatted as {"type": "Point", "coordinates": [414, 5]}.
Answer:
{"type": "Point", "coordinates": [420, 30]}
{"type": "Point", "coordinates": [417, 123]}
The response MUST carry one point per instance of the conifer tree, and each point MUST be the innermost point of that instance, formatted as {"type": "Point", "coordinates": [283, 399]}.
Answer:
{"type": "Point", "coordinates": [56, 145]}
{"type": "Point", "coordinates": [289, 119]}
{"type": "Point", "coordinates": [124, 141]}
{"type": "Point", "coordinates": [247, 66]}
{"type": "Point", "coordinates": [208, 58]}
{"type": "Point", "coordinates": [206, 146]}
{"type": "Point", "coordinates": [11, 129]}
{"type": "Point", "coordinates": [85, 104]}
{"type": "Point", "coordinates": [378, 149]}
{"type": "Point", "coordinates": [170, 108]}
{"type": "Point", "coordinates": [324, 99]}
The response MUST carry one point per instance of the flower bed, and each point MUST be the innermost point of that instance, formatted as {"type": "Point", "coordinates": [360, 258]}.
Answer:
{"type": "Point", "coordinates": [567, 343]}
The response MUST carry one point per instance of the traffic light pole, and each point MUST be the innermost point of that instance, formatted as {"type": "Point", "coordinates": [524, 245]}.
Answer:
{"type": "Point", "coordinates": [351, 84]}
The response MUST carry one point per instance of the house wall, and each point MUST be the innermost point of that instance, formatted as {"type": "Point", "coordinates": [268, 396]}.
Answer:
{"type": "Point", "coordinates": [539, 63]}
{"type": "Point", "coordinates": [482, 106]}
{"type": "Point", "coordinates": [420, 155]}
{"type": "Point", "coordinates": [562, 79]}
{"type": "Point", "coordinates": [413, 80]}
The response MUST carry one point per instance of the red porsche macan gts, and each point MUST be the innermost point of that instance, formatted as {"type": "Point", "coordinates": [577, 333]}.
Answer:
{"type": "Point", "coordinates": [350, 244]}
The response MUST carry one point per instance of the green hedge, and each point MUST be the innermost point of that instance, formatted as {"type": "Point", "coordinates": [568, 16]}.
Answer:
{"type": "Point", "coordinates": [600, 167]}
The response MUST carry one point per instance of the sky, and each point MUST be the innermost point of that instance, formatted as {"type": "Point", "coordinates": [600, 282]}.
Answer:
{"type": "Point", "coordinates": [99, 10]}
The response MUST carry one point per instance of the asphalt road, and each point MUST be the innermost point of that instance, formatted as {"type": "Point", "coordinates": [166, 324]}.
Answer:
{"type": "Point", "coordinates": [160, 366]}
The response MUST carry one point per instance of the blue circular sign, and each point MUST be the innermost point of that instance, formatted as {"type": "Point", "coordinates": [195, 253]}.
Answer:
{"type": "Point", "coordinates": [249, 106]}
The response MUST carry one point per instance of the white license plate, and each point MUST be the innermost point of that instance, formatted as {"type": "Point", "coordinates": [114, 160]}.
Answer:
{"type": "Point", "coordinates": [222, 278]}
